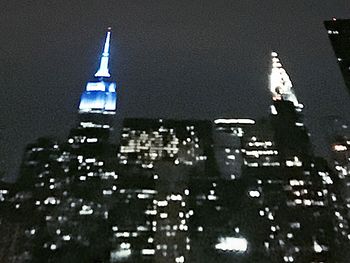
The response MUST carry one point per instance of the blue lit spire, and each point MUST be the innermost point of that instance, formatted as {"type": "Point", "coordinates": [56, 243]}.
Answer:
{"type": "Point", "coordinates": [100, 95]}
{"type": "Point", "coordinates": [103, 70]}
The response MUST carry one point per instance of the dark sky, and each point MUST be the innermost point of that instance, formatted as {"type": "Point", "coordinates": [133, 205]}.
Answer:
{"type": "Point", "coordinates": [175, 59]}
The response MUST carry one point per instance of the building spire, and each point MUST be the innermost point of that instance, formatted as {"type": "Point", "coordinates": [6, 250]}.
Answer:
{"type": "Point", "coordinates": [100, 95]}
{"type": "Point", "coordinates": [280, 83]}
{"type": "Point", "coordinates": [103, 71]}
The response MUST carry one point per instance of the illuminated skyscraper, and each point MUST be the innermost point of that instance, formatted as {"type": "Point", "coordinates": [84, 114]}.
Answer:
{"type": "Point", "coordinates": [100, 94]}
{"type": "Point", "coordinates": [158, 160]}
{"type": "Point", "coordinates": [145, 141]}
{"type": "Point", "coordinates": [339, 35]}
{"type": "Point", "coordinates": [96, 110]}
{"type": "Point", "coordinates": [280, 84]}
{"type": "Point", "coordinates": [64, 185]}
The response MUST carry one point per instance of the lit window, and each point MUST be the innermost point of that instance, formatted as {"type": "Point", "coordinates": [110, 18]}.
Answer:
{"type": "Point", "coordinates": [232, 244]}
{"type": "Point", "coordinates": [254, 193]}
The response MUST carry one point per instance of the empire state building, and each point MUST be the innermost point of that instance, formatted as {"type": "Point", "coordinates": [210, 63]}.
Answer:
{"type": "Point", "coordinates": [100, 94]}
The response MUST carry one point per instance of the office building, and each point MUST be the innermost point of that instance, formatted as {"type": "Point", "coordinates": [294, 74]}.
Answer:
{"type": "Point", "coordinates": [167, 154]}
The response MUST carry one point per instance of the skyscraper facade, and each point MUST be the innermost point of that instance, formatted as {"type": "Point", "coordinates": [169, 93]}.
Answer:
{"type": "Point", "coordinates": [167, 154]}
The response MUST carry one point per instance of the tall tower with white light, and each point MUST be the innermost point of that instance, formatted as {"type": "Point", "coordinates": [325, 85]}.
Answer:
{"type": "Point", "coordinates": [100, 94]}
{"type": "Point", "coordinates": [280, 84]}
{"type": "Point", "coordinates": [290, 132]}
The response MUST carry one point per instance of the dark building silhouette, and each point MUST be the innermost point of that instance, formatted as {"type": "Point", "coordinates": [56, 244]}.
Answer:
{"type": "Point", "coordinates": [339, 35]}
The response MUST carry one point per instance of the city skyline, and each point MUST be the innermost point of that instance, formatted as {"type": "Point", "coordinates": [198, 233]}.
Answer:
{"type": "Point", "coordinates": [165, 74]}
{"type": "Point", "coordinates": [180, 188]}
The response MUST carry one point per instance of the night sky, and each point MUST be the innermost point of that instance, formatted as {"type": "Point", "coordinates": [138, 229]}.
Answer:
{"type": "Point", "coordinates": [174, 59]}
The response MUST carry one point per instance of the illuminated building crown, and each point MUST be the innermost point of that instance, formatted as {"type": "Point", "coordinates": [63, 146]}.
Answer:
{"type": "Point", "coordinates": [100, 95]}
{"type": "Point", "coordinates": [280, 83]}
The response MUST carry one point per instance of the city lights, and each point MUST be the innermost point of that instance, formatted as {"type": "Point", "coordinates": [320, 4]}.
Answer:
{"type": "Point", "coordinates": [232, 244]}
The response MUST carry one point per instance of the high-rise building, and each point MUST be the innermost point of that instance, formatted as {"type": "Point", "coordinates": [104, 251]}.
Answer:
{"type": "Point", "coordinates": [339, 35]}
{"type": "Point", "coordinates": [159, 159]}
{"type": "Point", "coordinates": [91, 174]}
{"type": "Point", "coordinates": [100, 94]}
{"type": "Point", "coordinates": [144, 141]}
{"type": "Point", "coordinates": [63, 186]}
{"type": "Point", "coordinates": [228, 135]}
{"type": "Point", "coordinates": [338, 138]}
